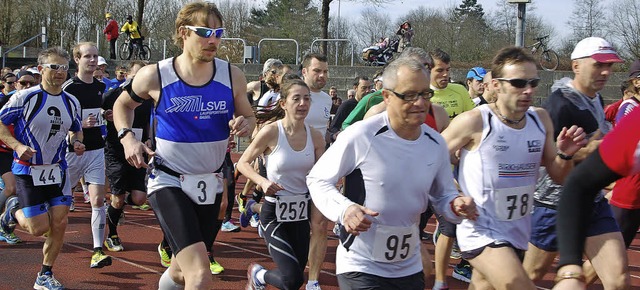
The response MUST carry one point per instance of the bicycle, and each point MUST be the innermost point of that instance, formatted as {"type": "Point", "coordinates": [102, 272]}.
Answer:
{"type": "Point", "coordinates": [142, 53]}
{"type": "Point", "coordinates": [548, 59]}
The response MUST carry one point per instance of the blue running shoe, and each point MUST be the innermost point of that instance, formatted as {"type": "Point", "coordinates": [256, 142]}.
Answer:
{"type": "Point", "coordinates": [245, 217]}
{"type": "Point", "coordinates": [7, 220]}
{"type": "Point", "coordinates": [11, 238]}
{"type": "Point", "coordinates": [253, 283]}
{"type": "Point", "coordinates": [462, 273]}
{"type": "Point", "coordinates": [46, 281]}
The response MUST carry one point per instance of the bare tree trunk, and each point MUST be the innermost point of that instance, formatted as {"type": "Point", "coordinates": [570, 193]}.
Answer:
{"type": "Point", "coordinates": [325, 25]}
{"type": "Point", "coordinates": [140, 12]}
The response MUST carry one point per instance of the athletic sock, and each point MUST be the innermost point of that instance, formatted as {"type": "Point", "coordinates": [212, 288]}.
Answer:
{"type": "Point", "coordinates": [45, 269]}
{"type": "Point", "coordinates": [439, 284]}
{"type": "Point", "coordinates": [260, 276]}
{"type": "Point", "coordinates": [98, 219]}
{"type": "Point", "coordinates": [114, 216]}
{"type": "Point", "coordinates": [312, 282]}
{"type": "Point", "coordinates": [166, 283]}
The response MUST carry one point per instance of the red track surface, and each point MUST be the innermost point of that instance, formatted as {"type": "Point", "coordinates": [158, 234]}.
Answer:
{"type": "Point", "coordinates": [138, 267]}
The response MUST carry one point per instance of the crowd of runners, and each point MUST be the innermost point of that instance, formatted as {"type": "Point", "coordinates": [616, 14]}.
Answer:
{"type": "Point", "coordinates": [405, 145]}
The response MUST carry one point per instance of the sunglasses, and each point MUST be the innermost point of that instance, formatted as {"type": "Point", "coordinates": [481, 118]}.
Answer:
{"type": "Point", "coordinates": [206, 32]}
{"type": "Point", "coordinates": [9, 83]}
{"type": "Point", "coordinates": [58, 67]}
{"type": "Point", "coordinates": [521, 83]}
{"type": "Point", "coordinates": [412, 97]}
{"type": "Point", "coordinates": [26, 83]}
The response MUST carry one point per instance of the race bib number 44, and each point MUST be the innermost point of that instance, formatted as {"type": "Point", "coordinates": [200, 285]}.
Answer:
{"type": "Point", "coordinates": [46, 174]}
{"type": "Point", "coordinates": [292, 208]}
{"type": "Point", "coordinates": [514, 203]}
{"type": "Point", "coordinates": [394, 244]}
{"type": "Point", "coordinates": [201, 188]}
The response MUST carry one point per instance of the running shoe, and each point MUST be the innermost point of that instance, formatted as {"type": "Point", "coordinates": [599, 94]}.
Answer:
{"type": "Point", "coordinates": [7, 219]}
{"type": "Point", "coordinates": [72, 207]}
{"type": "Point", "coordinates": [99, 259]}
{"type": "Point", "coordinates": [165, 256]}
{"type": "Point", "coordinates": [247, 214]}
{"type": "Point", "coordinates": [46, 281]}
{"type": "Point", "coordinates": [10, 238]}
{"type": "Point", "coordinates": [215, 267]}
{"type": "Point", "coordinates": [313, 286]}
{"type": "Point", "coordinates": [425, 236]}
{"type": "Point", "coordinates": [241, 201]}
{"type": "Point", "coordinates": [144, 206]}
{"type": "Point", "coordinates": [86, 197]}
{"type": "Point", "coordinates": [253, 283]}
{"type": "Point", "coordinates": [228, 226]}
{"type": "Point", "coordinates": [462, 273]}
{"type": "Point", "coordinates": [255, 220]}
{"type": "Point", "coordinates": [113, 244]}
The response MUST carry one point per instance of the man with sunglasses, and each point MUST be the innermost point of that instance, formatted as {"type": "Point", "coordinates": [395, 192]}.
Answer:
{"type": "Point", "coordinates": [9, 82]}
{"type": "Point", "coordinates": [203, 101]}
{"type": "Point", "coordinates": [578, 101]}
{"type": "Point", "coordinates": [502, 145]}
{"type": "Point", "coordinates": [25, 80]}
{"type": "Point", "coordinates": [395, 165]}
{"type": "Point", "coordinates": [43, 115]}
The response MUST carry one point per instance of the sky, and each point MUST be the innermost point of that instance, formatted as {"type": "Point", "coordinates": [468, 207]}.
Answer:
{"type": "Point", "coordinates": [555, 12]}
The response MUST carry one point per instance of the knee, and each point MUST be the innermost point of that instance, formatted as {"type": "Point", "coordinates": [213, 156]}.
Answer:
{"type": "Point", "coordinates": [139, 199]}
{"type": "Point", "coordinates": [117, 201]}
{"type": "Point", "coordinates": [37, 229]}
{"type": "Point", "coordinates": [201, 278]}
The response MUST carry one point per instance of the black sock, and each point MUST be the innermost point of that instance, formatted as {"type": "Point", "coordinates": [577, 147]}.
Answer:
{"type": "Point", "coordinates": [45, 269]}
{"type": "Point", "coordinates": [129, 200]}
{"type": "Point", "coordinates": [166, 247]}
{"type": "Point", "coordinates": [97, 249]}
{"type": "Point", "coordinates": [113, 215]}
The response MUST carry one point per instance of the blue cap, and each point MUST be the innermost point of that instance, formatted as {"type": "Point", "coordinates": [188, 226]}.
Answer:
{"type": "Point", "coordinates": [477, 73]}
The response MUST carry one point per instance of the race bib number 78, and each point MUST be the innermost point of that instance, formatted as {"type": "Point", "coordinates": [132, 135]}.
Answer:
{"type": "Point", "coordinates": [514, 203]}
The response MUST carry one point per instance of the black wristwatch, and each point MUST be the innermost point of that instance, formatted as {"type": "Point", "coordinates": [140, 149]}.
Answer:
{"type": "Point", "coordinates": [122, 132]}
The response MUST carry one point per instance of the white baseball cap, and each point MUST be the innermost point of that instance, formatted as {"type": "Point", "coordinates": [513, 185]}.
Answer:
{"type": "Point", "coordinates": [101, 60]}
{"type": "Point", "coordinates": [596, 48]}
{"type": "Point", "coordinates": [33, 70]}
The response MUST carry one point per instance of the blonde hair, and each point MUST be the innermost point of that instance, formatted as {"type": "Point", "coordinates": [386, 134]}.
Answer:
{"type": "Point", "coordinates": [195, 13]}
{"type": "Point", "coordinates": [76, 48]}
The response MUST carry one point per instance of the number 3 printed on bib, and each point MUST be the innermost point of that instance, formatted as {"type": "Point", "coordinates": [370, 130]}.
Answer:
{"type": "Point", "coordinates": [394, 244]}
{"type": "Point", "coordinates": [292, 208]}
{"type": "Point", "coordinates": [201, 188]}
{"type": "Point", "coordinates": [514, 203]}
{"type": "Point", "coordinates": [46, 174]}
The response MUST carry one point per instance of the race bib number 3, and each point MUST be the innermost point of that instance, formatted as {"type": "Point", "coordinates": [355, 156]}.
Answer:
{"type": "Point", "coordinates": [201, 188]}
{"type": "Point", "coordinates": [292, 208]}
{"type": "Point", "coordinates": [46, 174]}
{"type": "Point", "coordinates": [394, 244]}
{"type": "Point", "coordinates": [514, 203]}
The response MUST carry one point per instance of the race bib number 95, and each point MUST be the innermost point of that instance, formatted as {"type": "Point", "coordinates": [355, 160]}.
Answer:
{"type": "Point", "coordinates": [292, 208]}
{"type": "Point", "coordinates": [394, 244]}
{"type": "Point", "coordinates": [201, 188]}
{"type": "Point", "coordinates": [514, 203]}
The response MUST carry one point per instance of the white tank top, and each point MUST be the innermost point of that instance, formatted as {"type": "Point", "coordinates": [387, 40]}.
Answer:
{"type": "Point", "coordinates": [500, 175]}
{"type": "Point", "coordinates": [288, 167]}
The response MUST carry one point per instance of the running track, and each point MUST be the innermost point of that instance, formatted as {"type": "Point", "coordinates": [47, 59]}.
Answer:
{"type": "Point", "coordinates": [138, 267]}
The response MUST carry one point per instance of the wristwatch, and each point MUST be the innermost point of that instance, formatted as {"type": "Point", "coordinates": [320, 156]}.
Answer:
{"type": "Point", "coordinates": [122, 132]}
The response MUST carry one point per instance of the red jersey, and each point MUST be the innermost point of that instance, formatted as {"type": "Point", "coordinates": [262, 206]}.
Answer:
{"type": "Point", "coordinates": [430, 120]}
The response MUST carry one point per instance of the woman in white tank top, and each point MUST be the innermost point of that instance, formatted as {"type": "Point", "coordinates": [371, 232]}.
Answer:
{"type": "Point", "coordinates": [292, 148]}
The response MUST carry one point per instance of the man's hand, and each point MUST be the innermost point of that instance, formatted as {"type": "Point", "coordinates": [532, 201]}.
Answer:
{"type": "Point", "coordinates": [25, 152]}
{"type": "Point", "coordinates": [134, 151]}
{"type": "Point", "coordinates": [570, 140]}
{"type": "Point", "coordinates": [466, 207]}
{"type": "Point", "coordinates": [90, 121]}
{"type": "Point", "coordinates": [355, 219]}
{"type": "Point", "coordinates": [78, 147]}
{"type": "Point", "coordinates": [239, 126]}
{"type": "Point", "coordinates": [270, 188]}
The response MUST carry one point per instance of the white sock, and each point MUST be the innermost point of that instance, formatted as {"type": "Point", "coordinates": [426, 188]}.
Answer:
{"type": "Point", "coordinates": [166, 283]}
{"type": "Point", "coordinates": [85, 188]}
{"type": "Point", "coordinates": [260, 276]}
{"type": "Point", "coordinates": [98, 219]}
{"type": "Point", "coordinates": [311, 282]}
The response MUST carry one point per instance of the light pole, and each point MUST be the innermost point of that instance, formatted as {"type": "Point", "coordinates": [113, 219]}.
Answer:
{"type": "Point", "coordinates": [522, 9]}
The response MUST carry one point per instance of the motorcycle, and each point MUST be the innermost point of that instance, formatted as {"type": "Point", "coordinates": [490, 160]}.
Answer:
{"type": "Point", "coordinates": [375, 55]}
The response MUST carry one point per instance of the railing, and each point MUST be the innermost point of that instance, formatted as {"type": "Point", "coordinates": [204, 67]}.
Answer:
{"type": "Point", "coordinates": [280, 39]}
{"type": "Point", "coordinates": [334, 40]}
{"type": "Point", "coordinates": [44, 45]}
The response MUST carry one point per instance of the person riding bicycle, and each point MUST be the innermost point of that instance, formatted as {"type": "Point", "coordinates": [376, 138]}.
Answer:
{"type": "Point", "coordinates": [132, 29]}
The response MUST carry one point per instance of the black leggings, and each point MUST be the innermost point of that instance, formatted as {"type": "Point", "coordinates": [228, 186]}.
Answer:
{"type": "Point", "coordinates": [288, 245]}
{"type": "Point", "coordinates": [228, 172]}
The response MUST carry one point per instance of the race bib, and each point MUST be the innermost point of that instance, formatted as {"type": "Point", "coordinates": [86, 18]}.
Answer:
{"type": "Point", "coordinates": [46, 174]}
{"type": "Point", "coordinates": [201, 188]}
{"type": "Point", "coordinates": [95, 112]}
{"type": "Point", "coordinates": [138, 133]}
{"type": "Point", "coordinates": [292, 208]}
{"type": "Point", "coordinates": [514, 203]}
{"type": "Point", "coordinates": [395, 244]}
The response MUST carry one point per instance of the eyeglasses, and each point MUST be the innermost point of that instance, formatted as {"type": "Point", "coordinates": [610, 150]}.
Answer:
{"type": "Point", "coordinates": [9, 83]}
{"type": "Point", "coordinates": [206, 32]}
{"type": "Point", "coordinates": [58, 67]}
{"type": "Point", "coordinates": [412, 97]}
{"type": "Point", "coordinates": [26, 83]}
{"type": "Point", "coordinates": [521, 83]}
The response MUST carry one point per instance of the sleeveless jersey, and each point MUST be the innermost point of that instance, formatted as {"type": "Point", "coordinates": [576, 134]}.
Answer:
{"type": "Point", "coordinates": [288, 167]}
{"type": "Point", "coordinates": [41, 122]}
{"type": "Point", "coordinates": [500, 175]}
{"type": "Point", "coordinates": [192, 122]}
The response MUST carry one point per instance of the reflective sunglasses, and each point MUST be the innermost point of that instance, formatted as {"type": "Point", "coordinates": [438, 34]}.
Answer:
{"type": "Point", "coordinates": [206, 32]}
{"type": "Point", "coordinates": [26, 83]}
{"type": "Point", "coordinates": [521, 83]}
{"type": "Point", "coordinates": [58, 67]}
{"type": "Point", "coordinates": [412, 97]}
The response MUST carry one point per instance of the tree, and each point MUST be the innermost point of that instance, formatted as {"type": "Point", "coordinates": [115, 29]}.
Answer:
{"type": "Point", "coordinates": [469, 9]}
{"type": "Point", "coordinates": [588, 18]}
{"type": "Point", "coordinates": [624, 20]}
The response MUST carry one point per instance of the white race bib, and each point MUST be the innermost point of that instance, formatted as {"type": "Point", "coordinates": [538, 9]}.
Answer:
{"type": "Point", "coordinates": [138, 133]}
{"type": "Point", "coordinates": [201, 188]}
{"type": "Point", "coordinates": [97, 112]}
{"type": "Point", "coordinates": [292, 208]}
{"type": "Point", "coordinates": [394, 244]}
{"type": "Point", "coordinates": [514, 203]}
{"type": "Point", "coordinates": [46, 174]}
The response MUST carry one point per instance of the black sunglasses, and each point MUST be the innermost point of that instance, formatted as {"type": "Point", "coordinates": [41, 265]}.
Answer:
{"type": "Point", "coordinates": [26, 83]}
{"type": "Point", "coordinates": [412, 97]}
{"type": "Point", "coordinates": [206, 32]}
{"type": "Point", "coordinates": [9, 83]}
{"type": "Point", "coordinates": [521, 83]}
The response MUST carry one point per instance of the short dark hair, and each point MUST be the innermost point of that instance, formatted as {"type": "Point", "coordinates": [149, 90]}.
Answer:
{"type": "Point", "coordinates": [509, 55]}
{"type": "Point", "coordinates": [306, 61]}
{"type": "Point", "coordinates": [357, 80]}
{"type": "Point", "coordinates": [439, 54]}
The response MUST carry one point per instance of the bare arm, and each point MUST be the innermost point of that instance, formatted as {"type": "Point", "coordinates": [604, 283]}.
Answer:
{"type": "Point", "coordinates": [318, 143]}
{"type": "Point", "coordinates": [76, 139]}
{"type": "Point", "coordinates": [441, 116]}
{"type": "Point", "coordinates": [24, 152]}
{"type": "Point", "coordinates": [376, 109]}
{"type": "Point", "coordinates": [464, 131]}
{"type": "Point", "coordinates": [264, 141]}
